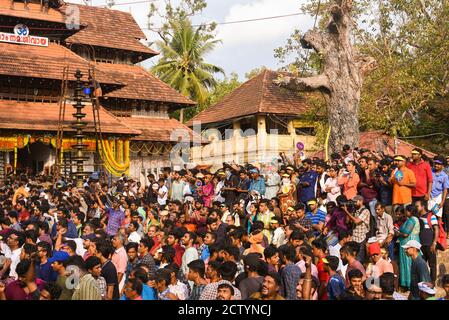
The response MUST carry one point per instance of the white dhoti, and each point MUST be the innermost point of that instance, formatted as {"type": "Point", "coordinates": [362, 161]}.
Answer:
{"type": "Point", "coordinates": [435, 202]}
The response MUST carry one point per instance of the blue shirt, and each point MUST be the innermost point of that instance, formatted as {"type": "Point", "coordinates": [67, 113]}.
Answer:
{"type": "Point", "coordinates": [205, 254]}
{"type": "Point", "coordinates": [258, 185]}
{"type": "Point", "coordinates": [335, 287]}
{"type": "Point", "coordinates": [440, 182]}
{"type": "Point", "coordinates": [307, 193]}
{"type": "Point", "coordinates": [148, 293]}
{"type": "Point", "coordinates": [45, 272]}
{"type": "Point", "coordinates": [317, 218]}
{"type": "Point", "coordinates": [71, 233]}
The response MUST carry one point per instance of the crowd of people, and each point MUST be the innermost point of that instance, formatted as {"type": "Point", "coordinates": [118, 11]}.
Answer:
{"type": "Point", "coordinates": [361, 225]}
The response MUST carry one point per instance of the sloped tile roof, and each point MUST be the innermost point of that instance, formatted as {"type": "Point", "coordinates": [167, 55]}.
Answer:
{"type": "Point", "coordinates": [163, 130]}
{"type": "Point", "coordinates": [110, 29]}
{"type": "Point", "coordinates": [34, 12]}
{"type": "Point", "coordinates": [140, 84]}
{"type": "Point", "coordinates": [258, 95]}
{"type": "Point", "coordinates": [35, 116]}
{"type": "Point", "coordinates": [44, 62]}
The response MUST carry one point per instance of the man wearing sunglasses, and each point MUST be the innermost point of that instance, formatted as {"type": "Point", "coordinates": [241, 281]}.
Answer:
{"type": "Point", "coordinates": [12, 249]}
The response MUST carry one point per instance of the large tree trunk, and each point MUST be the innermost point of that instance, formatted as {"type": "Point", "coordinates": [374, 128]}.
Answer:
{"type": "Point", "coordinates": [342, 77]}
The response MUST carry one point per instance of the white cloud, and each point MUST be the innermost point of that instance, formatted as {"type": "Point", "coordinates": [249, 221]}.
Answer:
{"type": "Point", "coordinates": [260, 32]}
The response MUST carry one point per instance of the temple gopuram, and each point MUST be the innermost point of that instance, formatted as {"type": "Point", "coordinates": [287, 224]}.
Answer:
{"type": "Point", "coordinates": [42, 45]}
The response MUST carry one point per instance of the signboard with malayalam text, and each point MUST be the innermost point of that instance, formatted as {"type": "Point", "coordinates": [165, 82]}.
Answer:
{"type": "Point", "coordinates": [30, 40]}
{"type": "Point", "coordinates": [21, 35]}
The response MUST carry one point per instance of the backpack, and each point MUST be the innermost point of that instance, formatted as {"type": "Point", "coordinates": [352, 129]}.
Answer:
{"type": "Point", "coordinates": [442, 240]}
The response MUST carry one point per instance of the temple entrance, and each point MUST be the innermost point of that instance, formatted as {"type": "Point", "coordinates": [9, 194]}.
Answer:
{"type": "Point", "coordinates": [35, 158]}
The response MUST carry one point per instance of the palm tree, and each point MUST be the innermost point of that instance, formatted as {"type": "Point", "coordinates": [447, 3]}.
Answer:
{"type": "Point", "coordinates": [182, 65]}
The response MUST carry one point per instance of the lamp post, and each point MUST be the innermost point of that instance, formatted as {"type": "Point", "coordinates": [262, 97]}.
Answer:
{"type": "Point", "coordinates": [78, 125]}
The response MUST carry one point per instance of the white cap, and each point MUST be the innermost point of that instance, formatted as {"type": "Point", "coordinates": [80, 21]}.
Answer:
{"type": "Point", "coordinates": [412, 244]}
{"type": "Point", "coordinates": [425, 287]}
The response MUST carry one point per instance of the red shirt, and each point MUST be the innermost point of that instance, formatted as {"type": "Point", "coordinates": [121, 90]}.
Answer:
{"type": "Point", "coordinates": [179, 253]}
{"type": "Point", "coordinates": [24, 215]}
{"type": "Point", "coordinates": [323, 276]}
{"type": "Point", "coordinates": [423, 175]}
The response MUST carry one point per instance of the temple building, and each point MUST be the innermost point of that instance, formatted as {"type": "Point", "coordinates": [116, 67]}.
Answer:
{"type": "Point", "coordinates": [254, 123]}
{"type": "Point", "coordinates": [42, 45]}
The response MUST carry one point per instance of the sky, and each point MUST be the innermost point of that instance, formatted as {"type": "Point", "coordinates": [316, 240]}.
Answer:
{"type": "Point", "coordinates": [244, 46]}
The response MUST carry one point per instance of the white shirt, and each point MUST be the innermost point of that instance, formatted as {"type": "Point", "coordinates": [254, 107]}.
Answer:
{"type": "Point", "coordinates": [179, 289]}
{"type": "Point", "coordinates": [218, 188]}
{"type": "Point", "coordinates": [335, 251]}
{"type": "Point", "coordinates": [278, 237]}
{"type": "Point", "coordinates": [189, 255]}
{"type": "Point", "coordinates": [134, 237]}
{"type": "Point", "coordinates": [79, 246]}
{"type": "Point", "coordinates": [335, 189]}
{"type": "Point", "coordinates": [236, 218]}
{"type": "Point", "coordinates": [162, 200]}
{"type": "Point", "coordinates": [14, 255]}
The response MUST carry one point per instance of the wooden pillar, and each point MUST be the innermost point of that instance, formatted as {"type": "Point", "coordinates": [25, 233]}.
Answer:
{"type": "Point", "coordinates": [261, 136]}
{"type": "Point", "coordinates": [181, 116]}
{"type": "Point", "coordinates": [237, 140]}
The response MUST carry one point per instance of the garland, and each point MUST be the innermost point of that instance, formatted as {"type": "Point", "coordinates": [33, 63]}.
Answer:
{"type": "Point", "coordinates": [119, 166]}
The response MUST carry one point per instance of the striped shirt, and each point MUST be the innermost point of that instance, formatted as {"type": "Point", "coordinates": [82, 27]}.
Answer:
{"type": "Point", "coordinates": [316, 218]}
{"type": "Point", "coordinates": [87, 289]}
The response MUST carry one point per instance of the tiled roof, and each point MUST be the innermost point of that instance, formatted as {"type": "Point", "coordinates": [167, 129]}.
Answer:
{"type": "Point", "coordinates": [44, 62]}
{"type": "Point", "coordinates": [110, 29]}
{"type": "Point", "coordinates": [258, 95]}
{"type": "Point", "coordinates": [33, 116]}
{"type": "Point", "coordinates": [163, 130]}
{"type": "Point", "coordinates": [34, 12]}
{"type": "Point", "coordinates": [379, 141]}
{"type": "Point", "coordinates": [140, 84]}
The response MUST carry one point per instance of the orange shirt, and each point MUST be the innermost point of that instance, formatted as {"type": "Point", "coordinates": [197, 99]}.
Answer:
{"type": "Point", "coordinates": [349, 183]}
{"type": "Point", "coordinates": [403, 194]}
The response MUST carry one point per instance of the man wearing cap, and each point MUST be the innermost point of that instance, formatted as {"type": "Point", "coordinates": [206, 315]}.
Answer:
{"type": "Point", "coordinates": [423, 175]}
{"type": "Point", "coordinates": [440, 185]}
{"type": "Point", "coordinates": [221, 176]}
{"type": "Point", "coordinates": [403, 181]}
{"type": "Point", "coordinates": [426, 291]}
{"type": "Point", "coordinates": [265, 215]}
{"type": "Point", "coordinates": [57, 264]}
{"type": "Point", "coordinates": [278, 233]}
{"type": "Point", "coordinates": [419, 271]}
{"type": "Point", "coordinates": [243, 185]}
{"type": "Point", "coordinates": [257, 183]}
{"type": "Point", "coordinates": [379, 265]}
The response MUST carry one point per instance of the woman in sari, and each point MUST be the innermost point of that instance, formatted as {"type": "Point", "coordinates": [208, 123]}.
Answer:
{"type": "Point", "coordinates": [409, 231]}
{"type": "Point", "coordinates": [207, 191]}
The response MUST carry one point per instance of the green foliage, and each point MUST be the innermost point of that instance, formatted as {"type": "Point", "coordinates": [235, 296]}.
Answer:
{"type": "Point", "coordinates": [182, 65]}
{"type": "Point", "coordinates": [410, 41]}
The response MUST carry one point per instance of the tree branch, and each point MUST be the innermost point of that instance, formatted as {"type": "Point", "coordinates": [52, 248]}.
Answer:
{"type": "Point", "coordinates": [314, 39]}
{"type": "Point", "coordinates": [320, 82]}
